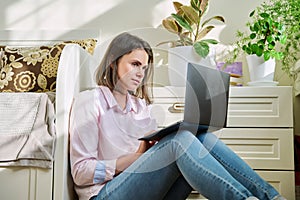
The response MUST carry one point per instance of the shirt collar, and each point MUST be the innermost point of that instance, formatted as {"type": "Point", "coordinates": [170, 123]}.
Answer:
{"type": "Point", "coordinates": [111, 100]}
{"type": "Point", "coordinates": [131, 105]}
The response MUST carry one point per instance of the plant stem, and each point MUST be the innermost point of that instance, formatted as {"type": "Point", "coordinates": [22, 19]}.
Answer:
{"type": "Point", "coordinates": [197, 26]}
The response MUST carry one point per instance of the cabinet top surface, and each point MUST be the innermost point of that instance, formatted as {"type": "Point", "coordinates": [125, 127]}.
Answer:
{"type": "Point", "coordinates": [234, 90]}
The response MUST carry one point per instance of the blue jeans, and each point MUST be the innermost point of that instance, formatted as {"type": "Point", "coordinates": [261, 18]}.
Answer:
{"type": "Point", "coordinates": [180, 162]}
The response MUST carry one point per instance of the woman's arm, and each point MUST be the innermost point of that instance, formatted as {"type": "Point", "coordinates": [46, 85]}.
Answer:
{"type": "Point", "coordinates": [86, 168]}
{"type": "Point", "coordinates": [125, 161]}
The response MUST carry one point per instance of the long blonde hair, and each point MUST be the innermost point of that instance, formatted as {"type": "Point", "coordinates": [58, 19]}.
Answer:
{"type": "Point", "coordinates": [121, 45]}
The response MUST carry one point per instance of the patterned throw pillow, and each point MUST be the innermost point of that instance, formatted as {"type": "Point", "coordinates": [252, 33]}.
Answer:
{"type": "Point", "coordinates": [33, 69]}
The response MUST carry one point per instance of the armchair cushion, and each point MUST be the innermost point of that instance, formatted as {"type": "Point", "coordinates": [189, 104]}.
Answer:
{"type": "Point", "coordinates": [33, 69]}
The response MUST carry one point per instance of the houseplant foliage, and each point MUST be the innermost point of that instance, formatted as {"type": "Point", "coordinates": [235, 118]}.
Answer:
{"type": "Point", "coordinates": [288, 13]}
{"type": "Point", "coordinates": [265, 34]}
{"type": "Point", "coordinates": [188, 25]}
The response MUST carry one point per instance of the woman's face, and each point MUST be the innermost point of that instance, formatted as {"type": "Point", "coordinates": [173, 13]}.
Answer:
{"type": "Point", "coordinates": [131, 69]}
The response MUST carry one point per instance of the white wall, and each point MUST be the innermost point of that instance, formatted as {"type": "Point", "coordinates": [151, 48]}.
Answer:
{"type": "Point", "coordinates": [110, 17]}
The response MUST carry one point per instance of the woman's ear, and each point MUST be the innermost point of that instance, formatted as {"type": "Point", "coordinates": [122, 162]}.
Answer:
{"type": "Point", "coordinates": [110, 60]}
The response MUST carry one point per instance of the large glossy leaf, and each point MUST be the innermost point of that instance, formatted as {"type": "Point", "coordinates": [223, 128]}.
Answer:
{"type": "Point", "coordinates": [204, 32]}
{"type": "Point", "coordinates": [218, 18]}
{"type": "Point", "coordinates": [203, 6]}
{"type": "Point", "coordinates": [190, 13]}
{"type": "Point", "coordinates": [177, 5]}
{"type": "Point", "coordinates": [182, 22]}
{"type": "Point", "coordinates": [170, 25]}
{"type": "Point", "coordinates": [194, 4]}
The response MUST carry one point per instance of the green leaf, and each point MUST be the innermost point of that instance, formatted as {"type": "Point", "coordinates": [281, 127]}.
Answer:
{"type": "Point", "coordinates": [252, 36]}
{"type": "Point", "coordinates": [218, 18]}
{"type": "Point", "coordinates": [264, 15]}
{"type": "Point", "coordinates": [204, 32]}
{"type": "Point", "coordinates": [267, 55]}
{"type": "Point", "coordinates": [248, 50]}
{"type": "Point", "coordinates": [171, 25]}
{"type": "Point", "coordinates": [190, 13]}
{"type": "Point", "coordinates": [279, 56]}
{"type": "Point", "coordinates": [203, 6]}
{"type": "Point", "coordinates": [182, 22]}
{"type": "Point", "coordinates": [271, 45]}
{"type": "Point", "coordinates": [259, 52]}
{"type": "Point", "coordinates": [201, 48]}
{"type": "Point", "coordinates": [194, 4]}
{"type": "Point", "coordinates": [177, 5]}
{"type": "Point", "coordinates": [210, 41]}
{"type": "Point", "coordinates": [270, 38]}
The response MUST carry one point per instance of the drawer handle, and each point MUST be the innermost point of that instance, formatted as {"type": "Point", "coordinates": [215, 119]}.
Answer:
{"type": "Point", "coordinates": [177, 107]}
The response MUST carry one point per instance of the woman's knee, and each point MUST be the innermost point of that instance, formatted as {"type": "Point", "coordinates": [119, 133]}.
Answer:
{"type": "Point", "coordinates": [207, 136]}
{"type": "Point", "coordinates": [184, 135]}
{"type": "Point", "coordinates": [210, 140]}
{"type": "Point", "coordinates": [184, 138]}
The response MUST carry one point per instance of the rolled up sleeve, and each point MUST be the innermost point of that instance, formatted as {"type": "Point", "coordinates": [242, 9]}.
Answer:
{"type": "Point", "coordinates": [105, 171]}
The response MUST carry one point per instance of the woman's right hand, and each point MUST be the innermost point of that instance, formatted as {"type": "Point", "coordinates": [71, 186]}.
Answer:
{"type": "Point", "coordinates": [124, 161]}
{"type": "Point", "coordinates": [144, 146]}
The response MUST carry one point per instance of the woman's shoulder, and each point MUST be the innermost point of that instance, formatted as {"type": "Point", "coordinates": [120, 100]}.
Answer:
{"type": "Point", "coordinates": [89, 99]}
{"type": "Point", "coordinates": [86, 93]}
{"type": "Point", "coordinates": [89, 96]}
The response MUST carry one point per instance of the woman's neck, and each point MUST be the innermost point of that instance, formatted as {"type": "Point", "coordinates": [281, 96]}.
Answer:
{"type": "Point", "coordinates": [121, 98]}
{"type": "Point", "coordinates": [120, 91]}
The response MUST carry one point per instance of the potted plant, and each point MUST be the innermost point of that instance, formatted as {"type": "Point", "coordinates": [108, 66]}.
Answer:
{"type": "Point", "coordinates": [187, 24]}
{"type": "Point", "coordinates": [261, 45]}
{"type": "Point", "coordinates": [288, 13]}
{"type": "Point", "coordinates": [190, 27]}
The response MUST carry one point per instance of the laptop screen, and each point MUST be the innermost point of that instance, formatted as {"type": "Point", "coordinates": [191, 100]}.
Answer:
{"type": "Point", "coordinates": [206, 96]}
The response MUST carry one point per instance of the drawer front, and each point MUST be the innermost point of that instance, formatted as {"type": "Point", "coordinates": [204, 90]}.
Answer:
{"type": "Point", "coordinates": [260, 107]}
{"type": "Point", "coordinates": [247, 107]}
{"type": "Point", "coordinates": [282, 181]}
{"type": "Point", "coordinates": [164, 115]}
{"type": "Point", "coordinates": [168, 105]}
{"type": "Point", "coordinates": [26, 183]}
{"type": "Point", "coordinates": [261, 148]}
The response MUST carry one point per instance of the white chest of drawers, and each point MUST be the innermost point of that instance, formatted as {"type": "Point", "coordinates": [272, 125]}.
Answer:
{"type": "Point", "coordinates": [260, 129]}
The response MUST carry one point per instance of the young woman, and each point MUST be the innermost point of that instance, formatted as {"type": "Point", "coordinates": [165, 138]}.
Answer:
{"type": "Point", "coordinates": [109, 162]}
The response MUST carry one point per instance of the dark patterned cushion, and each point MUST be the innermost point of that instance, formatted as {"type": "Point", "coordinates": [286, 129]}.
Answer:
{"type": "Point", "coordinates": [33, 69]}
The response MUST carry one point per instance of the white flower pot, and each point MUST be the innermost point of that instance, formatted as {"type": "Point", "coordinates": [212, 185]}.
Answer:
{"type": "Point", "coordinates": [260, 71]}
{"type": "Point", "coordinates": [178, 59]}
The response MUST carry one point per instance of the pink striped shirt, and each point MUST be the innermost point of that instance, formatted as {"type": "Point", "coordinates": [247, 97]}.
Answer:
{"type": "Point", "coordinates": [100, 132]}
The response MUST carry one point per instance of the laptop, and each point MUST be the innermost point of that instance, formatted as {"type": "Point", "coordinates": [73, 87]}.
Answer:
{"type": "Point", "coordinates": [206, 102]}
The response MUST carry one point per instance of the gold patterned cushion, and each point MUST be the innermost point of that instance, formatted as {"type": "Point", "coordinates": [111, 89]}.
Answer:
{"type": "Point", "coordinates": [33, 69]}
